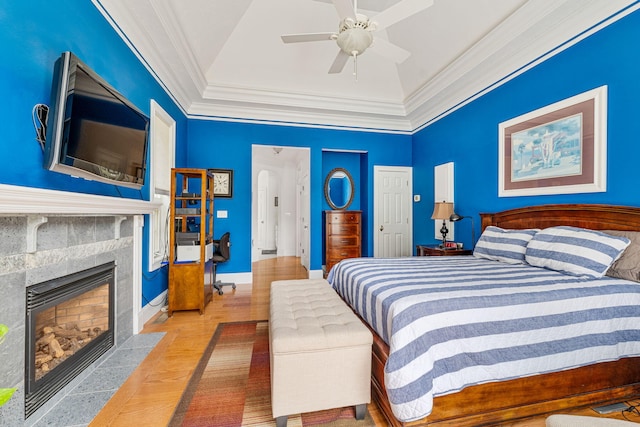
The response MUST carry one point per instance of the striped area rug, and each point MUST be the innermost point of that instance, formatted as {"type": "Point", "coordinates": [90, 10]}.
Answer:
{"type": "Point", "coordinates": [231, 385]}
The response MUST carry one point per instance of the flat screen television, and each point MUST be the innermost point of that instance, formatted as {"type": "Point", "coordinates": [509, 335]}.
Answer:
{"type": "Point", "coordinates": [93, 131]}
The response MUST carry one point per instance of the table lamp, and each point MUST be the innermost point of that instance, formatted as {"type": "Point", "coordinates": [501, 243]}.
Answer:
{"type": "Point", "coordinates": [443, 210]}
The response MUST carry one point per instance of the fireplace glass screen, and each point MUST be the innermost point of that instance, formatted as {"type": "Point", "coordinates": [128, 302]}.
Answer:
{"type": "Point", "coordinates": [70, 324]}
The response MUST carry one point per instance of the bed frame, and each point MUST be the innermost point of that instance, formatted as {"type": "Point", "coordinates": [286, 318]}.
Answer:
{"type": "Point", "coordinates": [501, 402]}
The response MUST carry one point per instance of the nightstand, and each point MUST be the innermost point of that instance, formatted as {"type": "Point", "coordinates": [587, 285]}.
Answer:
{"type": "Point", "coordinates": [436, 250]}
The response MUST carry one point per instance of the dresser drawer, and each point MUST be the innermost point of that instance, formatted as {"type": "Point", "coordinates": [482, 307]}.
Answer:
{"type": "Point", "coordinates": [345, 252]}
{"type": "Point", "coordinates": [342, 236]}
{"type": "Point", "coordinates": [344, 218]}
{"type": "Point", "coordinates": [343, 229]}
{"type": "Point", "coordinates": [340, 241]}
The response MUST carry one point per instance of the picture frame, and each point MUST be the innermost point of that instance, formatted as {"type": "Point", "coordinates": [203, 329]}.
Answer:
{"type": "Point", "coordinates": [557, 149]}
{"type": "Point", "coordinates": [222, 182]}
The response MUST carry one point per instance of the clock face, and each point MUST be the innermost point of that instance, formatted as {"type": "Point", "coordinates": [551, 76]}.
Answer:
{"type": "Point", "coordinates": [222, 182]}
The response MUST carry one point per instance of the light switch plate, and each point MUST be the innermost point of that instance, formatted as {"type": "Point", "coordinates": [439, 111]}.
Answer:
{"type": "Point", "coordinates": [221, 214]}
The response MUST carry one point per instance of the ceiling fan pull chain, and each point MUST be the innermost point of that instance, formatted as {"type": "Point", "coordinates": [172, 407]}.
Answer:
{"type": "Point", "coordinates": [355, 64]}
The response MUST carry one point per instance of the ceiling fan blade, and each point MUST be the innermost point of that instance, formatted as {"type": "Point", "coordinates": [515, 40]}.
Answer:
{"type": "Point", "coordinates": [400, 11]}
{"type": "Point", "coordinates": [339, 62]}
{"type": "Point", "coordinates": [308, 37]}
{"type": "Point", "coordinates": [345, 9]}
{"type": "Point", "coordinates": [389, 50]}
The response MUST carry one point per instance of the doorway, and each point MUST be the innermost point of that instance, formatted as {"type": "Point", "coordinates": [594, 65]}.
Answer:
{"type": "Point", "coordinates": [280, 203]}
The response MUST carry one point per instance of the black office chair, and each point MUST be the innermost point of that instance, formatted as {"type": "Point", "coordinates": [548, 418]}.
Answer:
{"type": "Point", "coordinates": [221, 253]}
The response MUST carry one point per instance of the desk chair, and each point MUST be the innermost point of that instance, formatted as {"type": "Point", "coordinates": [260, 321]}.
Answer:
{"type": "Point", "coordinates": [221, 254]}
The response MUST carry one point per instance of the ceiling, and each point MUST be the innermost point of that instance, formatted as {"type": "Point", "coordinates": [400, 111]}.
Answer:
{"type": "Point", "coordinates": [224, 59]}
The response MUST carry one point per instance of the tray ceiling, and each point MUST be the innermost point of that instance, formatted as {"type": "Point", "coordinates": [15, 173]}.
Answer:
{"type": "Point", "coordinates": [222, 59]}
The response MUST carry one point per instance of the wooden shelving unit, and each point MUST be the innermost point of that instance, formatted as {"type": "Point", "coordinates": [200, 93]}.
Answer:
{"type": "Point", "coordinates": [190, 240]}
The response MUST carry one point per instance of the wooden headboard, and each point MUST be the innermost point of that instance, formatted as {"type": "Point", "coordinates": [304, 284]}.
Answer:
{"type": "Point", "coordinates": [594, 217]}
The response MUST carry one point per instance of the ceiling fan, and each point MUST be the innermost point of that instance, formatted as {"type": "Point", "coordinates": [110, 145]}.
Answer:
{"type": "Point", "coordinates": [355, 32]}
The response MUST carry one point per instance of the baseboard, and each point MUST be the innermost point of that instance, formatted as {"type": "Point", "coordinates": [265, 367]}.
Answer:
{"type": "Point", "coordinates": [316, 274]}
{"type": "Point", "coordinates": [237, 278]}
{"type": "Point", "coordinates": [247, 277]}
{"type": "Point", "coordinates": [151, 309]}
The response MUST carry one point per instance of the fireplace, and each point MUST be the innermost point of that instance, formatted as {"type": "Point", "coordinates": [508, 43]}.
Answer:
{"type": "Point", "coordinates": [69, 325]}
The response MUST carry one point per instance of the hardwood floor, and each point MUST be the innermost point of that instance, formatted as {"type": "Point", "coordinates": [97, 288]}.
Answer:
{"type": "Point", "coordinates": [150, 395]}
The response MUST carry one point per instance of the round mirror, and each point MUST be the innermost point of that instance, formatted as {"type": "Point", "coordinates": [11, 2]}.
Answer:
{"type": "Point", "coordinates": [338, 189]}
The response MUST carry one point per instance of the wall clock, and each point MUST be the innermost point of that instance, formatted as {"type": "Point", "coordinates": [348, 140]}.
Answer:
{"type": "Point", "coordinates": [222, 182]}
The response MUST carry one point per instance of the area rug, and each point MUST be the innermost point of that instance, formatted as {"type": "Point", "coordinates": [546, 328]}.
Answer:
{"type": "Point", "coordinates": [231, 385]}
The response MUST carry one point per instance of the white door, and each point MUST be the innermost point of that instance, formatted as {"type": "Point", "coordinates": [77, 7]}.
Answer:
{"type": "Point", "coordinates": [393, 216]}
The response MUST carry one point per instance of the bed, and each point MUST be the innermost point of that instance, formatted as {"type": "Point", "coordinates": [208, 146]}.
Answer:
{"type": "Point", "coordinates": [557, 378]}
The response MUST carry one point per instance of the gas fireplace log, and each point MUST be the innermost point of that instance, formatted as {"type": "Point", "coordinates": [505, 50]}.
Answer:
{"type": "Point", "coordinates": [67, 333]}
{"type": "Point", "coordinates": [42, 358]}
{"type": "Point", "coordinates": [56, 350]}
{"type": "Point", "coordinates": [44, 340]}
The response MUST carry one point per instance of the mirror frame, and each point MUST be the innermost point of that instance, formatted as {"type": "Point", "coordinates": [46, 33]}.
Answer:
{"type": "Point", "coordinates": [326, 189]}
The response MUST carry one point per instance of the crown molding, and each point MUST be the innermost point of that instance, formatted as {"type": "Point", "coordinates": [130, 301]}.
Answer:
{"type": "Point", "coordinates": [325, 119]}
{"type": "Point", "coordinates": [310, 109]}
{"type": "Point", "coordinates": [173, 75]}
{"type": "Point", "coordinates": [532, 34]}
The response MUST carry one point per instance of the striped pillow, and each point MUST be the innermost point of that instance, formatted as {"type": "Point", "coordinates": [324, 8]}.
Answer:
{"type": "Point", "coordinates": [575, 251]}
{"type": "Point", "coordinates": [503, 245]}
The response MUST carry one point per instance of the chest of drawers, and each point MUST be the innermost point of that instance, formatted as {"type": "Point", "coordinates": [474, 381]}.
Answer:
{"type": "Point", "coordinates": [342, 236]}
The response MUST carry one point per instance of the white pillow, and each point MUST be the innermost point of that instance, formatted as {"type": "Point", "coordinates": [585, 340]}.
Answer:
{"type": "Point", "coordinates": [503, 245]}
{"type": "Point", "coordinates": [575, 251]}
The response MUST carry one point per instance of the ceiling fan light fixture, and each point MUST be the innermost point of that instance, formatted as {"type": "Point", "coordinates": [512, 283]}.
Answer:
{"type": "Point", "coordinates": [354, 40]}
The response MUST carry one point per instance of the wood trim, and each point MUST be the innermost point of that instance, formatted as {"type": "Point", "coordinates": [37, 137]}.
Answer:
{"type": "Point", "coordinates": [594, 217]}
{"type": "Point", "coordinates": [507, 401]}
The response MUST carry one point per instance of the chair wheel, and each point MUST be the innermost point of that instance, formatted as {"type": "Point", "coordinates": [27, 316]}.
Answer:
{"type": "Point", "coordinates": [233, 286]}
{"type": "Point", "coordinates": [220, 292]}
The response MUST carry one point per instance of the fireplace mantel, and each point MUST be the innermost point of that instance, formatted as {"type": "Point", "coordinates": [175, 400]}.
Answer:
{"type": "Point", "coordinates": [17, 200]}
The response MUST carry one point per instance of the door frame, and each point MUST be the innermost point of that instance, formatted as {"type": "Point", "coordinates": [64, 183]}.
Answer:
{"type": "Point", "coordinates": [258, 150]}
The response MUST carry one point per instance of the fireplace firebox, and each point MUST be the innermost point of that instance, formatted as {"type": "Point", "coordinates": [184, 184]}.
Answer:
{"type": "Point", "coordinates": [69, 325]}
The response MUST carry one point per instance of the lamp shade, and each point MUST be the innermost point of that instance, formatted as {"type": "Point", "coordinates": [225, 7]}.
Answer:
{"type": "Point", "coordinates": [442, 210]}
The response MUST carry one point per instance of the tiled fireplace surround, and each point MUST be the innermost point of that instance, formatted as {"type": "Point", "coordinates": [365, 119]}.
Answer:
{"type": "Point", "coordinates": [46, 234]}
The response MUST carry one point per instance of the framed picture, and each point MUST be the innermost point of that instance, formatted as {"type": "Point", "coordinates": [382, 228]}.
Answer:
{"type": "Point", "coordinates": [222, 182]}
{"type": "Point", "coordinates": [557, 149]}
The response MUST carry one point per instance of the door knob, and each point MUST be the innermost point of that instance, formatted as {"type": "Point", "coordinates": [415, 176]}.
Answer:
{"type": "Point", "coordinates": [382, 228]}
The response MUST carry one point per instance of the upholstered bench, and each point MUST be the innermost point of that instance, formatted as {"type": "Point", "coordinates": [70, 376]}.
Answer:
{"type": "Point", "coordinates": [320, 351]}
{"type": "Point", "coordinates": [582, 421]}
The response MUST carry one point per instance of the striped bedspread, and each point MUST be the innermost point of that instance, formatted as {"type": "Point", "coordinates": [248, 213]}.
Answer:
{"type": "Point", "coordinates": [452, 322]}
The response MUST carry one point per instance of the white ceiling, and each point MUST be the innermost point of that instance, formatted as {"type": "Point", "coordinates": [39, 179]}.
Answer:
{"type": "Point", "coordinates": [225, 58]}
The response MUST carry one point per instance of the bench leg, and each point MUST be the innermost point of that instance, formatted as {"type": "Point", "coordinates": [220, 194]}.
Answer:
{"type": "Point", "coordinates": [361, 410]}
{"type": "Point", "coordinates": [281, 421]}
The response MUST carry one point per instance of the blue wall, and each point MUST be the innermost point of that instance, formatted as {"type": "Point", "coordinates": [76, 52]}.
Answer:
{"type": "Point", "coordinates": [227, 145]}
{"type": "Point", "coordinates": [33, 35]}
{"type": "Point", "coordinates": [351, 163]}
{"type": "Point", "coordinates": [469, 136]}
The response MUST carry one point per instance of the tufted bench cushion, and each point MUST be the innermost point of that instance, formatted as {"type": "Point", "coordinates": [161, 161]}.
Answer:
{"type": "Point", "coordinates": [582, 421]}
{"type": "Point", "coordinates": [320, 350]}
